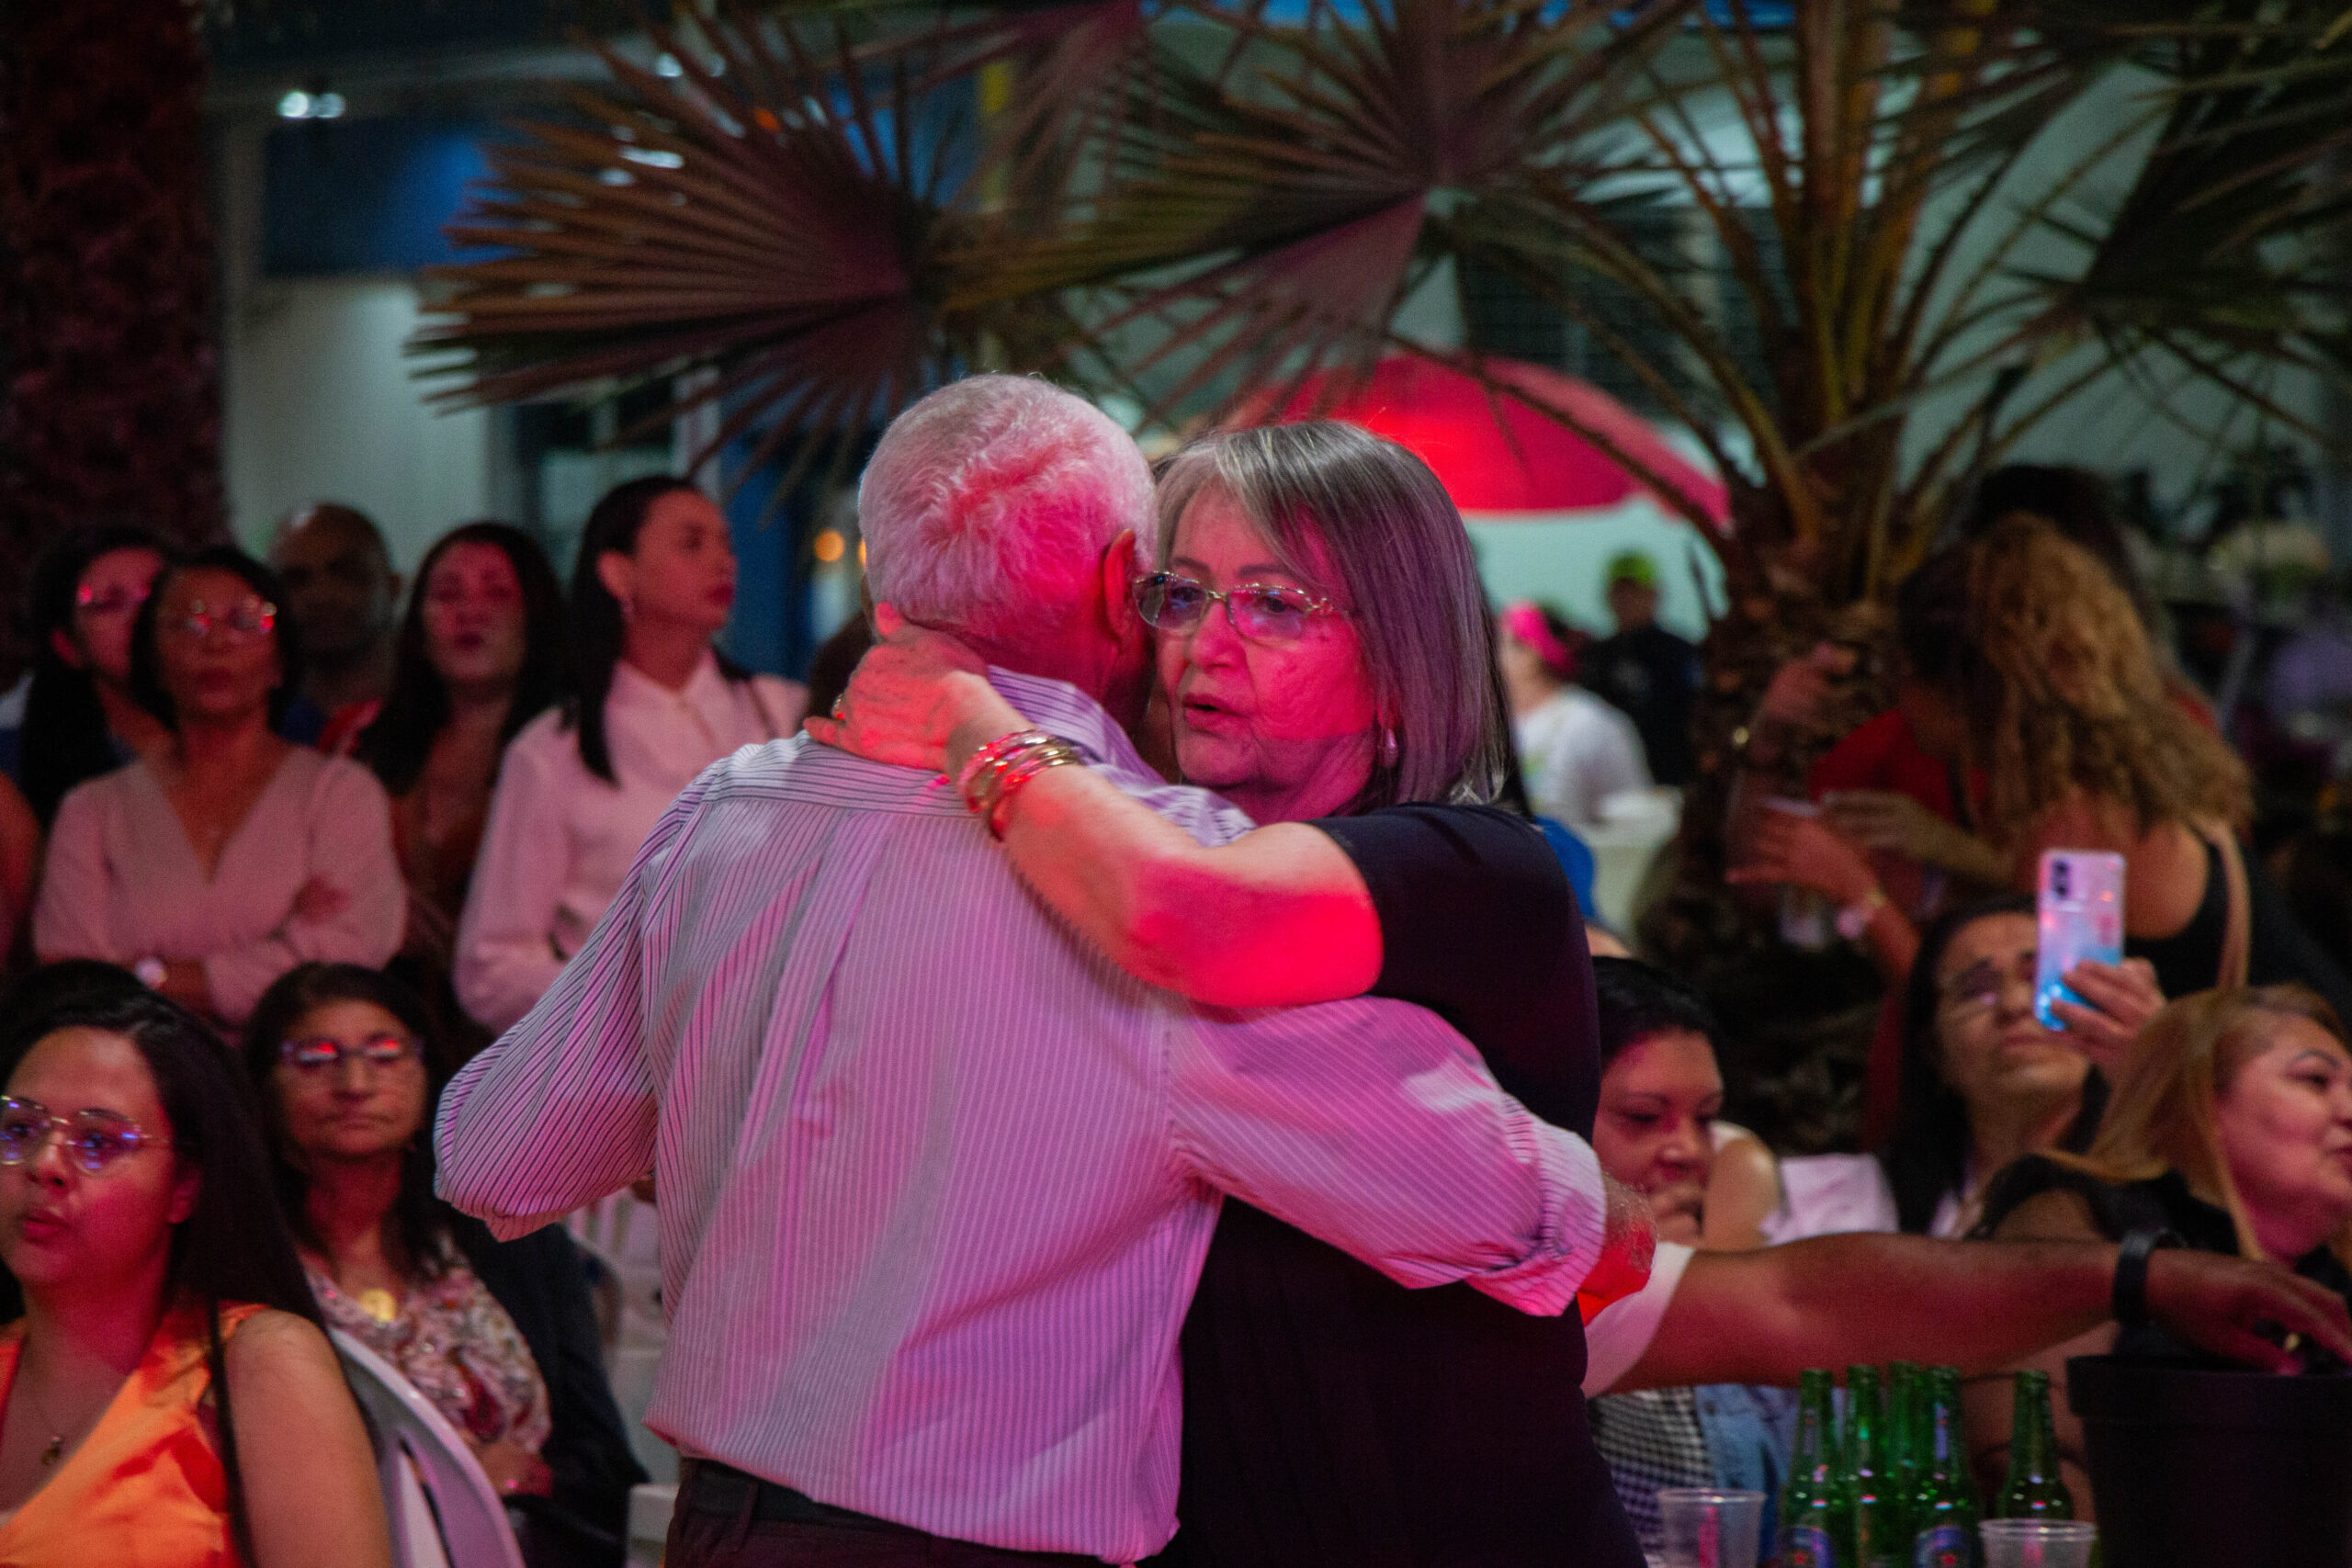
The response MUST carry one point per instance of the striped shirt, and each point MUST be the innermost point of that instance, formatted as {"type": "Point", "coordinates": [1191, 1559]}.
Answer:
{"type": "Point", "coordinates": [936, 1179]}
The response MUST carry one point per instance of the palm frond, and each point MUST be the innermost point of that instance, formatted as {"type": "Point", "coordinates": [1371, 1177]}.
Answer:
{"type": "Point", "coordinates": [790, 211]}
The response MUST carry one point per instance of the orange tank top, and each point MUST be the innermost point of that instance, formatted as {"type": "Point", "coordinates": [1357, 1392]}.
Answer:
{"type": "Point", "coordinates": [145, 1489]}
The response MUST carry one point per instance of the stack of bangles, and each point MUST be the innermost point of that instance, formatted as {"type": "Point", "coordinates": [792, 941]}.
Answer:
{"type": "Point", "coordinates": [998, 769]}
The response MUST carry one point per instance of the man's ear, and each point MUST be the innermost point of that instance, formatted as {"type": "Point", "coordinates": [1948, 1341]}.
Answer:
{"type": "Point", "coordinates": [1119, 571]}
{"type": "Point", "coordinates": [62, 646]}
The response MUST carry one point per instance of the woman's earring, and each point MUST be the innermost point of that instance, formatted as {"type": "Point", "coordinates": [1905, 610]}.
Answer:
{"type": "Point", "coordinates": [628, 609]}
{"type": "Point", "coordinates": [1388, 746]}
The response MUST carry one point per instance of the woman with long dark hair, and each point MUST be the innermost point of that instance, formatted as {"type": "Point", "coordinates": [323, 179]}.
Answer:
{"type": "Point", "coordinates": [480, 654]}
{"type": "Point", "coordinates": [501, 1336]}
{"type": "Point", "coordinates": [652, 704]}
{"type": "Point", "coordinates": [1981, 1081]}
{"type": "Point", "coordinates": [229, 855]}
{"type": "Point", "coordinates": [170, 1396]}
{"type": "Point", "coordinates": [81, 718]}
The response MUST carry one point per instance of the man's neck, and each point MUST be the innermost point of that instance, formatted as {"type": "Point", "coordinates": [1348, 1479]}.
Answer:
{"type": "Point", "coordinates": [1121, 694]}
{"type": "Point", "coordinates": [366, 676]}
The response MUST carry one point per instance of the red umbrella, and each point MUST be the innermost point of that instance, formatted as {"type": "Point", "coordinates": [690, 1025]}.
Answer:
{"type": "Point", "coordinates": [1493, 452]}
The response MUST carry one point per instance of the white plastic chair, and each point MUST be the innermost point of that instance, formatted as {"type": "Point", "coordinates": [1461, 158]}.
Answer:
{"type": "Point", "coordinates": [444, 1513]}
{"type": "Point", "coordinates": [650, 1507]}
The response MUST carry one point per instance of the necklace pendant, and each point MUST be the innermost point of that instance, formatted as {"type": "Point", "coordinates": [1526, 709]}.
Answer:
{"type": "Point", "coordinates": [380, 1305]}
{"type": "Point", "coordinates": [55, 1451]}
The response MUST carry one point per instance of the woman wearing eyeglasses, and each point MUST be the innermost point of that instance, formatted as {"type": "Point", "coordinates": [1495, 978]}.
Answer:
{"type": "Point", "coordinates": [169, 1398]}
{"type": "Point", "coordinates": [1328, 663]}
{"type": "Point", "coordinates": [1982, 1082]}
{"type": "Point", "coordinates": [230, 855]}
{"type": "Point", "coordinates": [500, 1337]}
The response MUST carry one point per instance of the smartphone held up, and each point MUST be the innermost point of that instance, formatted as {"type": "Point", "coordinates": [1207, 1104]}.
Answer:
{"type": "Point", "coordinates": [2079, 911]}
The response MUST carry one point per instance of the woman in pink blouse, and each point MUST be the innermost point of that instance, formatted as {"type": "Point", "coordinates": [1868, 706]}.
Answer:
{"type": "Point", "coordinates": [229, 855]}
{"type": "Point", "coordinates": [654, 704]}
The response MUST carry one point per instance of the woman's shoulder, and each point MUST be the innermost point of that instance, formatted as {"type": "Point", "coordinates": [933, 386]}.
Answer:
{"type": "Point", "coordinates": [544, 741]}
{"type": "Point", "coordinates": [2040, 1195]}
{"type": "Point", "coordinates": [265, 1340]}
{"type": "Point", "coordinates": [1488, 848]}
{"type": "Point", "coordinates": [1458, 814]}
{"type": "Point", "coordinates": [112, 787]}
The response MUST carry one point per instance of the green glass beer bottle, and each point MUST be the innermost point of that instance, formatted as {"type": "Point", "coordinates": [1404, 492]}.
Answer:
{"type": "Point", "coordinates": [2033, 1488]}
{"type": "Point", "coordinates": [1879, 1538]}
{"type": "Point", "coordinates": [1943, 1502]}
{"type": "Point", "coordinates": [1813, 1526]}
{"type": "Point", "coordinates": [1905, 1412]}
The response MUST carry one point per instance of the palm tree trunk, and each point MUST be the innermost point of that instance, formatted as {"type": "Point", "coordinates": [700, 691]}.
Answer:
{"type": "Point", "coordinates": [1798, 1024]}
{"type": "Point", "coordinates": [109, 362]}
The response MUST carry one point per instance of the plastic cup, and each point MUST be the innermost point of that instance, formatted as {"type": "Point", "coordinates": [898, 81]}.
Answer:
{"type": "Point", "coordinates": [2037, 1544]}
{"type": "Point", "coordinates": [1706, 1529]}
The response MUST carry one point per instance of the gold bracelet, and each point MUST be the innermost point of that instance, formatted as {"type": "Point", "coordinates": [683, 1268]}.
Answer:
{"type": "Point", "coordinates": [990, 758]}
{"type": "Point", "coordinates": [1004, 765]}
{"type": "Point", "coordinates": [1033, 761]}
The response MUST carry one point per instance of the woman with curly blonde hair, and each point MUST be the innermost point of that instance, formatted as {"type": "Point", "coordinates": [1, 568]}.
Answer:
{"type": "Point", "coordinates": [2085, 748]}
{"type": "Point", "coordinates": [2230, 1132]}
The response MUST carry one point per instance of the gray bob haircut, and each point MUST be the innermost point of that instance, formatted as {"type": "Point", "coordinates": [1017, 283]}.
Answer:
{"type": "Point", "coordinates": [1332, 499]}
{"type": "Point", "coordinates": [988, 503]}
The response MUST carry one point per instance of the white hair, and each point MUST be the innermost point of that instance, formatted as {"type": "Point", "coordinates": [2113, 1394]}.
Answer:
{"type": "Point", "coordinates": [988, 504]}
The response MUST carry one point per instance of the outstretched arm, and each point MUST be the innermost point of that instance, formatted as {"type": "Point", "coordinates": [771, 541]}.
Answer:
{"type": "Point", "coordinates": [1764, 1317]}
{"type": "Point", "coordinates": [1277, 918]}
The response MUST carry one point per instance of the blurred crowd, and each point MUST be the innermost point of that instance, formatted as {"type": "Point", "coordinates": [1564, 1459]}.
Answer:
{"type": "Point", "coordinates": [361, 831]}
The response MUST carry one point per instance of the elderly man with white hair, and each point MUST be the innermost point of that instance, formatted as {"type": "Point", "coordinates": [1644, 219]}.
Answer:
{"type": "Point", "coordinates": [936, 1180]}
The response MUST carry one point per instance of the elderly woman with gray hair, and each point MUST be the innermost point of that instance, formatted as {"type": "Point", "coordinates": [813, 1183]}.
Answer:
{"type": "Point", "coordinates": [1326, 660]}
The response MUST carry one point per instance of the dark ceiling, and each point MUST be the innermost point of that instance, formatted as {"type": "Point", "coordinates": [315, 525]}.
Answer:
{"type": "Point", "coordinates": [267, 34]}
